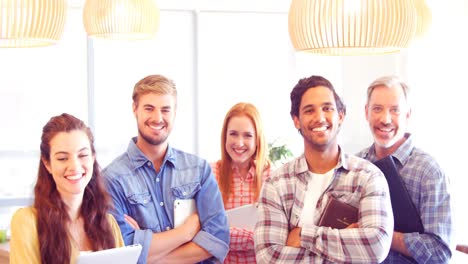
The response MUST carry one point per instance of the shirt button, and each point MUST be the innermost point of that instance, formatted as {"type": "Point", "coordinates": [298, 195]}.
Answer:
{"type": "Point", "coordinates": [161, 203]}
{"type": "Point", "coordinates": [184, 193]}
{"type": "Point", "coordinates": [149, 164]}
{"type": "Point", "coordinates": [157, 179]}
{"type": "Point", "coordinates": [168, 228]}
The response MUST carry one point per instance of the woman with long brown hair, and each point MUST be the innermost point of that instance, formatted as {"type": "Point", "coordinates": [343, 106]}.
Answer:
{"type": "Point", "coordinates": [70, 207]}
{"type": "Point", "coordinates": [241, 171]}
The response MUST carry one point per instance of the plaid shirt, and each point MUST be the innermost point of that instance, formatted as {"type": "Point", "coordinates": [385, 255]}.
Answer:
{"type": "Point", "coordinates": [241, 246]}
{"type": "Point", "coordinates": [428, 187]}
{"type": "Point", "coordinates": [356, 182]}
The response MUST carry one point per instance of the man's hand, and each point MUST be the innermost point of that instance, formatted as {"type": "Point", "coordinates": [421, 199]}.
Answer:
{"type": "Point", "coordinates": [398, 244]}
{"type": "Point", "coordinates": [462, 248]}
{"type": "Point", "coordinates": [353, 225]}
{"type": "Point", "coordinates": [294, 238]}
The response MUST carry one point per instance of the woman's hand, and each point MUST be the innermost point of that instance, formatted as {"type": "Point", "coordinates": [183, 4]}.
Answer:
{"type": "Point", "coordinates": [131, 222]}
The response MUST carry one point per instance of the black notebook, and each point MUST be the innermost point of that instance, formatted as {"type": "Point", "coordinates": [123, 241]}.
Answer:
{"type": "Point", "coordinates": [405, 214]}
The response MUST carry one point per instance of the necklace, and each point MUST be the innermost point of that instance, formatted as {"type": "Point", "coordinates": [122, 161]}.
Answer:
{"type": "Point", "coordinates": [79, 236]}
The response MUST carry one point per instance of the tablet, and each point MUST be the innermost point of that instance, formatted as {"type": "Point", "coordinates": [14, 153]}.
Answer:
{"type": "Point", "coordinates": [243, 216]}
{"type": "Point", "coordinates": [119, 255]}
{"type": "Point", "coordinates": [182, 210]}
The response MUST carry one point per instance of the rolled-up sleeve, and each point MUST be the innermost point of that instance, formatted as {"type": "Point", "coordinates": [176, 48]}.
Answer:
{"type": "Point", "coordinates": [272, 229]}
{"type": "Point", "coordinates": [214, 233]}
{"type": "Point", "coordinates": [433, 246]}
{"type": "Point", "coordinates": [130, 235]}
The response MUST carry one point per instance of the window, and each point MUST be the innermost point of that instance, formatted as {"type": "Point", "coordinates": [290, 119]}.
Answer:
{"type": "Point", "coordinates": [36, 84]}
{"type": "Point", "coordinates": [436, 74]}
{"type": "Point", "coordinates": [218, 57]}
{"type": "Point", "coordinates": [120, 65]}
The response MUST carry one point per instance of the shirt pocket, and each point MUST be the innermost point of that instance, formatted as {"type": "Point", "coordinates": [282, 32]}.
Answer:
{"type": "Point", "coordinates": [351, 198]}
{"type": "Point", "coordinates": [142, 209]}
{"type": "Point", "coordinates": [186, 191]}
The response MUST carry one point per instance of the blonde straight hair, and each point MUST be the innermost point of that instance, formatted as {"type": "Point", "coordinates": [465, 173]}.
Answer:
{"type": "Point", "coordinates": [157, 84]}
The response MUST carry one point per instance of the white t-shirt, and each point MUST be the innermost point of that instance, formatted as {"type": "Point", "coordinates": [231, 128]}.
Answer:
{"type": "Point", "coordinates": [317, 184]}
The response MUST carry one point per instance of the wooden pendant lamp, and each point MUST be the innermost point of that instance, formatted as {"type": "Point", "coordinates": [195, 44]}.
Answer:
{"type": "Point", "coordinates": [351, 27]}
{"type": "Point", "coordinates": [121, 19]}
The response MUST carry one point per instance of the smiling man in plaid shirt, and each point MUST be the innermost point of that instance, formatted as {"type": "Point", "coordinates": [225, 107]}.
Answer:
{"type": "Point", "coordinates": [294, 197]}
{"type": "Point", "coordinates": [388, 113]}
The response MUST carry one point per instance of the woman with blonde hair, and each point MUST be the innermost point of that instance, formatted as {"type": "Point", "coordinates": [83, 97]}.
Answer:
{"type": "Point", "coordinates": [241, 171]}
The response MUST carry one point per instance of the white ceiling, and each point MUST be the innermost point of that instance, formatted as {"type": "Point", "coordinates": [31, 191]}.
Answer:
{"type": "Point", "coordinates": [214, 5]}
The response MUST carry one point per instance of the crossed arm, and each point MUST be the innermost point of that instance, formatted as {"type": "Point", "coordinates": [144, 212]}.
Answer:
{"type": "Point", "coordinates": [177, 246]}
{"type": "Point", "coordinates": [276, 240]}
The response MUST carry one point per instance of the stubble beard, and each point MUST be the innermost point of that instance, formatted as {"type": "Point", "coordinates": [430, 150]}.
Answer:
{"type": "Point", "coordinates": [151, 140]}
{"type": "Point", "coordinates": [319, 144]}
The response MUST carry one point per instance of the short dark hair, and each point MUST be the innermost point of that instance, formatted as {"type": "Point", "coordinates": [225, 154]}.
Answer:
{"type": "Point", "coordinates": [305, 84]}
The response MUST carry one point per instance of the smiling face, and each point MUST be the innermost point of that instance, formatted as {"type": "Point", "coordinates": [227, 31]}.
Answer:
{"type": "Point", "coordinates": [155, 114]}
{"type": "Point", "coordinates": [388, 114]}
{"type": "Point", "coordinates": [70, 162]}
{"type": "Point", "coordinates": [241, 140]}
{"type": "Point", "coordinates": [319, 120]}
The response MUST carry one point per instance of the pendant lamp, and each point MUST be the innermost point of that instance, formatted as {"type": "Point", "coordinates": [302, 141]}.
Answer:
{"type": "Point", "coordinates": [351, 27]}
{"type": "Point", "coordinates": [121, 19]}
{"type": "Point", "coordinates": [31, 23]}
{"type": "Point", "coordinates": [424, 18]}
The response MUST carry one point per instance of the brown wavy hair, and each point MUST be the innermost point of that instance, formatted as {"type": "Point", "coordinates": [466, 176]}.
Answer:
{"type": "Point", "coordinates": [260, 156]}
{"type": "Point", "coordinates": [52, 217]}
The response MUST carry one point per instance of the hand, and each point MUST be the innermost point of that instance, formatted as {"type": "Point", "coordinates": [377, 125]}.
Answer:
{"type": "Point", "coordinates": [353, 225]}
{"type": "Point", "coordinates": [294, 238]}
{"type": "Point", "coordinates": [462, 248]}
{"type": "Point", "coordinates": [191, 225]}
{"type": "Point", "coordinates": [398, 244]}
{"type": "Point", "coordinates": [131, 222]}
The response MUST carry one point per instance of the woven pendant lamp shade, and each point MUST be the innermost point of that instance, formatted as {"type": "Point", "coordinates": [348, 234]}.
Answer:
{"type": "Point", "coordinates": [121, 19]}
{"type": "Point", "coordinates": [424, 18]}
{"type": "Point", "coordinates": [351, 27]}
{"type": "Point", "coordinates": [31, 23]}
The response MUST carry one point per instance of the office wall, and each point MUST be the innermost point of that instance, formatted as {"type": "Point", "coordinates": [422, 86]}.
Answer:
{"type": "Point", "coordinates": [219, 55]}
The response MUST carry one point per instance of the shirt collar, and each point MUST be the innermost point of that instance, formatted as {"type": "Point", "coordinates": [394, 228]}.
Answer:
{"type": "Point", "coordinates": [250, 173]}
{"type": "Point", "coordinates": [138, 158]}
{"type": "Point", "coordinates": [401, 154]}
{"type": "Point", "coordinates": [303, 169]}
{"type": "Point", "coordinates": [342, 160]}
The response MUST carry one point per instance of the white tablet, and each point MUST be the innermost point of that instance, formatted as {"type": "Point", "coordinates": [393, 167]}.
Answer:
{"type": "Point", "coordinates": [182, 210]}
{"type": "Point", "coordinates": [119, 255]}
{"type": "Point", "coordinates": [243, 216]}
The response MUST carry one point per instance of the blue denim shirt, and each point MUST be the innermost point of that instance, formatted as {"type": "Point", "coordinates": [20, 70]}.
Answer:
{"type": "Point", "coordinates": [140, 192]}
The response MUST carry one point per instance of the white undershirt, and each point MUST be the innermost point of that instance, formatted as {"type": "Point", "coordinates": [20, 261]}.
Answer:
{"type": "Point", "coordinates": [315, 187]}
